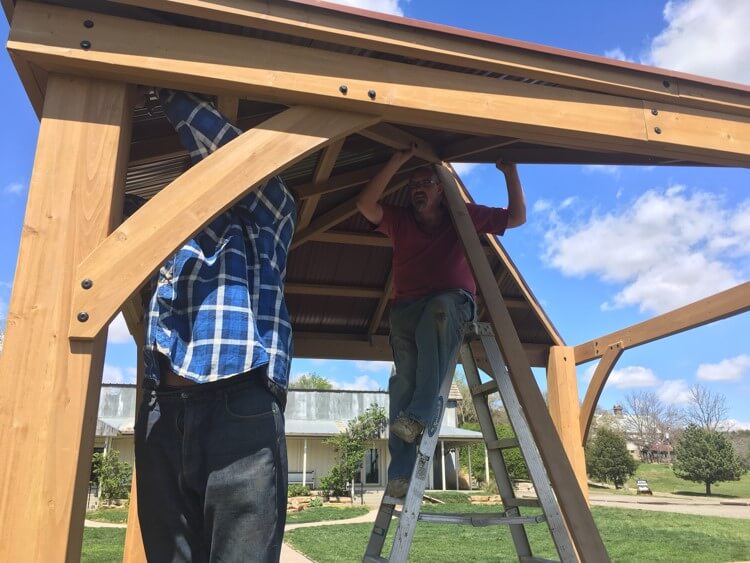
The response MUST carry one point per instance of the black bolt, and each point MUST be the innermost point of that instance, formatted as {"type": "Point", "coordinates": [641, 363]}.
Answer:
{"type": "Point", "coordinates": [654, 112]}
{"type": "Point", "coordinates": [343, 88]}
{"type": "Point", "coordinates": [666, 84]}
{"type": "Point", "coordinates": [657, 130]}
{"type": "Point", "coordinates": [83, 316]}
{"type": "Point", "coordinates": [87, 284]}
{"type": "Point", "coordinates": [372, 94]}
{"type": "Point", "coordinates": [86, 44]}
{"type": "Point", "coordinates": [88, 24]}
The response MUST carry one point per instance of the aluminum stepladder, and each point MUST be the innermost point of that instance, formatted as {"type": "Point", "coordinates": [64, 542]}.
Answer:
{"type": "Point", "coordinates": [410, 506]}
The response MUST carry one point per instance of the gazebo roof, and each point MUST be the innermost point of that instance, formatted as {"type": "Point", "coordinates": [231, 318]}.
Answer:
{"type": "Point", "coordinates": [339, 271]}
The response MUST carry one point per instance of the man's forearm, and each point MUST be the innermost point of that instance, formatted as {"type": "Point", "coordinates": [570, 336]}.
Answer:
{"type": "Point", "coordinates": [516, 198]}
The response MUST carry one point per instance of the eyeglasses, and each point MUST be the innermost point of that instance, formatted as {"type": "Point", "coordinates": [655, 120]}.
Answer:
{"type": "Point", "coordinates": [427, 182]}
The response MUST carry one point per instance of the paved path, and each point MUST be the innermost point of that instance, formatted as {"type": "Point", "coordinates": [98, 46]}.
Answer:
{"type": "Point", "coordinates": [702, 506]}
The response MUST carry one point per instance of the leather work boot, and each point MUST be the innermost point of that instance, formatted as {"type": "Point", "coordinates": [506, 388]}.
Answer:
{"type": "Point", "coordinates": [406, 428]}
{"type": "Point", "coordinates": [397, 488]}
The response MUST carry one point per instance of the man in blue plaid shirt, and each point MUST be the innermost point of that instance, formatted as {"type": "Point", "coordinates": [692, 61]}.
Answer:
{"type": "Point", "coordinates": [210, 446]}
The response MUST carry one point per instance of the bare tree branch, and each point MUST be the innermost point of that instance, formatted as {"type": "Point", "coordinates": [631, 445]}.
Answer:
{"type": "Point", "coordinates": [706, 409]}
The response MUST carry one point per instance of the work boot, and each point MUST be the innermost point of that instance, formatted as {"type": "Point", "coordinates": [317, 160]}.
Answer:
{"type": "Point", "coordinates": [397, 488]}
{"type": "Point", "coordinates": [406, 428]}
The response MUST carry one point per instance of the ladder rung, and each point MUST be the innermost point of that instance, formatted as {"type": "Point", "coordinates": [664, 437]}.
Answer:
{"type": "Point", "coordinates": [374, 559]}
{"type": "Point", "coordinates": [485, 388]}
{"type": "Point", "coordinates": [478, 520]}
{"type": "Point", "coordinates": [502, 444]}
{"type": "Point", "coordinates": [393, 501]}
{"type": "Point", "coordinates": [529, 502]}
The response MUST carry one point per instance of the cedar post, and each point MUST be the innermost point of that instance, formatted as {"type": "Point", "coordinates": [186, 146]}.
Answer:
{"type": "Point", "coordinates": [51, 384]}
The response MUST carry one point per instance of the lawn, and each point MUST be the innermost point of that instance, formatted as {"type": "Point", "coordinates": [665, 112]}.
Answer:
{"type": "Point", "coordinates": [630, 535]}
{"type": "Point", "coordinates": [103, 545]}
{"type": "Point", "coordinates": [117, 515]}
{"type": "Point", "coordinates": [662, 479]}
{"type": "Point", "coordinates": [320, 513]}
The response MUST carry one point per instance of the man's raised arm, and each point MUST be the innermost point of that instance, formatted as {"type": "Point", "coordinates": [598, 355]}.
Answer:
{"type": "Point", "coordinates": [367, 202]}
{"type": "Point", "coordinates": [516, 199]}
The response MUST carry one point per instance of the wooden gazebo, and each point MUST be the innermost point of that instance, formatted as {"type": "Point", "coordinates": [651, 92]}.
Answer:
{"type": "Point", "coordinates": [325, 94]}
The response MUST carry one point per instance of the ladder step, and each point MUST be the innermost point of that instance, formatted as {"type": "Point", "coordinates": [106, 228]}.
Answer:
{"type": "Point", "coordinates": [502, 444]}
{"type": "Point", "coordinates": [485, 388]}
{"type": "Point", "coordinates": [392, 501]}
{"type": "Point", "coordinates": [374, 559]}
{"type": "Point", "coordinates": [528, 502]}
{"type": "Point", "coordinates": [479, 520]}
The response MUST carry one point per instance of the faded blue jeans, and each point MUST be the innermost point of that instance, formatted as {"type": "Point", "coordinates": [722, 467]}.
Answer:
{"type": "Point", "coordinates": [212, 472]}
{"type": "Point", "coordinates": [425, 335]}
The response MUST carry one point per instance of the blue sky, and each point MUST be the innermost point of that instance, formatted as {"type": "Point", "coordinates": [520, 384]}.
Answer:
{"type": "Point", "coordinates": [604, 247]}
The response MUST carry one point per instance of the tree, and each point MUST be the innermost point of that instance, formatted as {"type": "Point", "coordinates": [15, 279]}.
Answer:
{"type": "Point", "coordinates": [465, 410]}
{"type": "Point", "coordinates": [350, 447]}
{"type": "Point", "coordinates": [706, 409]}
{"type": "Point", "coordinates": [513, 458]}
{"type": "Point", "coordinates": [113, 475]}
{"type": "Point", "coordinates": [706, 456]}
{"type": "Point", "coordinates": [647, 420]}
{"type": "Point", "coordinates": [607, 458]}
{"type": "Point", "coordinates": [311, 381]}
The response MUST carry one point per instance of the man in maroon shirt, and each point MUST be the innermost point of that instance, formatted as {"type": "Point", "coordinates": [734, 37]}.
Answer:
{"type": "Point", "coordinates": [433, 295]}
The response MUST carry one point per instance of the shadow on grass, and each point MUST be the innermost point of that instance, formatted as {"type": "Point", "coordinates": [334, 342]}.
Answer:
{"type": "Point", "coordinates": [697, 494]}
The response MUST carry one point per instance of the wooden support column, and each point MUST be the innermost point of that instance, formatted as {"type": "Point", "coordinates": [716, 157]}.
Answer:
{"type": "Point", "coordinates": [51, 385]}
{"type": "Point", "coordinates": [573, 506]}
{"type": "Point", "coordinates": [565, 409]}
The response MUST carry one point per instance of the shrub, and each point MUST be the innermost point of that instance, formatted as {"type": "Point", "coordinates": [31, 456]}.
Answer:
{"type": "Point", "coordinates": [607, 458]}
{"type": "Point", "coordinates": [297, 490]}
{"type": "Point", "coordinates": [316, 502]}
{"type": "Point", "coordinates": [113, 475]}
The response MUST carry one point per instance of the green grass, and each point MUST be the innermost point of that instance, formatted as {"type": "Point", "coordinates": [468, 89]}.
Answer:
{"type": "Point", "coordinates": [662, 479]}
{"type": "Point", "coordinates": [630, 535]}
{"type": "Point", "coordinates": [451, 497]}
{"type": "Point", "coordinates": [117, 515]}
{"type": "Point", "coordinates": [103, 545]}
{"type": "Point", "coordinates": [320, 513]}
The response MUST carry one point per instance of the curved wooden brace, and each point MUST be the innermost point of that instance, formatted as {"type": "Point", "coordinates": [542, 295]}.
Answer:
{"type": "Point", "coordinates": [136, 249]}
{"type": "Point", "coordinates": [601, 374]}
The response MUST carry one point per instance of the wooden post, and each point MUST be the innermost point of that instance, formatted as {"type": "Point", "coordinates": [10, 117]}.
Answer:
{"type": "Point", "coordinates": [573, 505]}
{"type": "Point", "coordinates": [565, 409]}
{"type": "Point", "coordinates": [51, 385]}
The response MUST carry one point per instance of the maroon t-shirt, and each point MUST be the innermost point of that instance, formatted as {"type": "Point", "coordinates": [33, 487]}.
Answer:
{"type": "Point", "coordinates": [426, 263]}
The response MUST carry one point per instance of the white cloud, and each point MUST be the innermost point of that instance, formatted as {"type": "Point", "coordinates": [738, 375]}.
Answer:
{"type": "Point", "coordinates": [705, 37]}
{"type": "Point", "coordinates": [734, 424]}
{"type": "Point", "coordinates": [607, 169]}
{"type": "Point", "coordinates": [730, 369]}
{"type": "Point", "coordinates": [464, 168]}
{"type": "Point", "coordinates": [387, 6]}
{"type": "Point", "coordinates": [665, 249]}
{"type": "Point", "coordinates": [617, 53]}
{"type": "Point", "coordinates": [541, 205]}
{"type": "Point", "coordinates": [118, 331]}
{"type": "Point", "coordinates": [114, 374]}
{"type": "Point", "coordinates": [632, 377]}
{"type": "Point", "coordinates": [360, 383]}
{"type": "Point", "coordinates": [14, 188]}
{"type": "Point", "coordinates": [3, 311]}
{"type": "Point", "coordinates": [674, 392]}
{"type": "Point", "coordinates": [373, 367]}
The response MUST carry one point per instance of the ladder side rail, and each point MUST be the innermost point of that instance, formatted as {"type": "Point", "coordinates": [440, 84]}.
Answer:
{"type": "Point", "coordinates": [587, 538]}
{"type": "Point", "coordinates": [504, 484]}
{"type": "Point", "coordinates": [412, 503]}
{"type": "Point", "coordinates": [531, 455]}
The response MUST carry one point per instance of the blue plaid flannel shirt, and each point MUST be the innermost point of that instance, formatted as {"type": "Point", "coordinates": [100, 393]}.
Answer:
{"type": "Point", "coordinates": [218, 309]}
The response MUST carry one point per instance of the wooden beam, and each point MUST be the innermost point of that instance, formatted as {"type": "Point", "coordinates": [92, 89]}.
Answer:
{"type": "Point", "coordinates": [359, 239]}
{"type": "Point", "coordinates": [572, 503]}
{"type": "Point", "coordinates": [51, 386]}
{"type": "Point", "coordinates": [333, 290]}
{"type": "Point", "coordinates": [350, 180]}
{"type": "Point", "coordinates": [377, 316]}
{"type": "Point", "coordinates": [450, 46]}
{"type": "Point", "coordinates": [398, 139]}
{"type": "Point", "coordinates": [564, 408]}
{"type": "Point", "coordinates": [229, 107]}
{"type": "Point", "coordinates": [122, 262]}
{"type": "Point", "coordinates": [473, 145]}
{"type": "Point", "coordinates": [710, 309]}
{"type": "Point", "coordinates": [50, 37]}
{"type": "Point", "coordinates": [323, 169]}
{"type": "Point", "coordinates": [335, 216]}
{"type": "Point", "coordinates": [596, 386]}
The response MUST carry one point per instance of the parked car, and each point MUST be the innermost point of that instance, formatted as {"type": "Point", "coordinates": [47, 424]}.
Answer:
{"type": "Point", "coordinates": [642, 487]}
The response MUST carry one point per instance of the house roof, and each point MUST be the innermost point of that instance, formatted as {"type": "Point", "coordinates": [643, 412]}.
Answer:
{"type": "Point", "coordinates": [338, 278]}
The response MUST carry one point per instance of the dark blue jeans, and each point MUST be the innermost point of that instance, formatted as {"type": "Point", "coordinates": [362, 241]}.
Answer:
{"type": "Point", "coordinates": [211, 466]}
{"type": "Point", "coordinates": [425, 335]}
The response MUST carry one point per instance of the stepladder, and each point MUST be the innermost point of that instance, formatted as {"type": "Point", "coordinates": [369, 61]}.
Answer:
{"type": "Point", "coordinates": [543, 509]}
